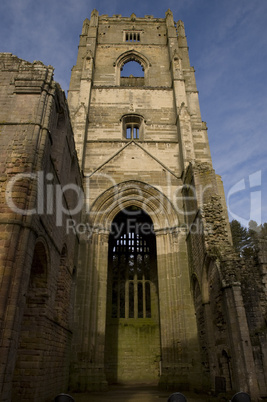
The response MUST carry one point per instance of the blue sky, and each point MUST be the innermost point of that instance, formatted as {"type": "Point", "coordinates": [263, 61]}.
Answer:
{"type": "Point", "coordinates": [227, 46]}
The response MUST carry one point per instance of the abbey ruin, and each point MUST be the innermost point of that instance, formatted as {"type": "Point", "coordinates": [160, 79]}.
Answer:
{"type": "Point", "coordinates": [117, 264]}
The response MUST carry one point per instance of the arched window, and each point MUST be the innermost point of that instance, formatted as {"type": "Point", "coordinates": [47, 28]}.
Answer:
{"type": "Point", "coordinates": [38, 279]}
{"type": "Point", "coordinates": [34, 344]}
{"type": "Point", "coordinates": [132, 73]}
{"type": "Point", "coordinates": [225, 363]}
{"type": "Point", "coordinates": [132, 127]}
{"type": "Point", "coordinates": [131, 265]}
{"type": "Point", "coordinates": [132, 68]}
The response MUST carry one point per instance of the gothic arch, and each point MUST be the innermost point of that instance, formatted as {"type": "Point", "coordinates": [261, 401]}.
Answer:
{"type": "Point", "coordinates": [39, 266]}
{"type": "Point", "coordinates": [32, 327]}
{"type": "Point", "coordinates": [133, 193]}
{"type": "Point", "coordinates": [131, 55]}
{"type": "Point", "coordinates": [132, 297]}
{"type": "Point", "coordinates": [203, 278]}
{"type": "Point", "coordinates": [94, 284]}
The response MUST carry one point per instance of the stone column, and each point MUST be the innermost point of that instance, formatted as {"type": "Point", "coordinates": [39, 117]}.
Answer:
{"type": "Point", "coordinates": [80, 85]}
{"type": "Point", "coordinates": [179, 344]}
{"type": "Point", "coordinates": [244, 377]}
{"type": "Point", "coordinates": [208, 321]}
{"type": "Point", "coordinates": [90, 320]}
{"type": "Point", "coordinates": [24, 141]}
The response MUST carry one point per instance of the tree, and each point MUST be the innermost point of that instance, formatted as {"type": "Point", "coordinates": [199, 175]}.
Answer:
{"type": "Point", "coordinates": [239, 236]}
{"type": "Point", "coordinates": [246, 240]}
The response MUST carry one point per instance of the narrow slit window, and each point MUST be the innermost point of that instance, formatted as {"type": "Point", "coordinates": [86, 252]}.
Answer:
{"type": "Point", "coordinates": [132, 36]}
{"type": "Point", "coordinates": [128, 132]}
{"type": "Point", "coordinates": [148, 300]}
{"type": "Point", "coordinates": [132, 132]}
{"type": "Point", "coordinates": [140, 300]}
{"type": "Point", "coordinates": [114, 299]}
{"type": "Point", "coordinates": [136, 132]}
{"type": "Point", "coordinates": [131, 300]}
{"type": "Point", "coordinates": [122, 300]}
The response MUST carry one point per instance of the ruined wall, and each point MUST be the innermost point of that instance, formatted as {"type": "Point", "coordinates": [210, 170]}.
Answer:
{"type": "Point", "coordinates": [253, 279]}
{"type": "Point", "coordinates": [212, 306]}
{"type": "Point", "coordinates": [168, 172]}
{"type": "Point", "coordinates": [227, 292]}
{"type": "Point", "coordinates": [37, 255]}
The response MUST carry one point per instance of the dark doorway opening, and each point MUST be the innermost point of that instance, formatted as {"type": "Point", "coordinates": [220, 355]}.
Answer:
{"type": "Point", "coordinates": [132, 351]}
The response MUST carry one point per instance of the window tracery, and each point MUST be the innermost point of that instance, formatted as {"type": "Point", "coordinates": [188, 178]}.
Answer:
{"type": "Point", "coordinates": [132, 127]}
{"type": "Point", "coordinates": [132, 267]}
{"type": "Point", "coordinates": [132, 56]}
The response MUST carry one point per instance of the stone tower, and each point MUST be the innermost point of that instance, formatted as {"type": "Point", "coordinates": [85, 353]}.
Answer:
{"type": "Point", "coordinates": [136, 135]}
{"type": "Point", "coordinates": [158, 293]}
{"type": "Point", "coordinates": [124, 273]}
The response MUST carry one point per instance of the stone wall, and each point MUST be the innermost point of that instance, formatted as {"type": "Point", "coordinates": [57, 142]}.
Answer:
{"type": "Point", "coordinates": [227, 292]}
{"type": "Point", "coordinates": [253, 276]}
{"type": "Point", "coordinates": [37, 255]}
{"type": "Point", "coordinates": [209, 332]}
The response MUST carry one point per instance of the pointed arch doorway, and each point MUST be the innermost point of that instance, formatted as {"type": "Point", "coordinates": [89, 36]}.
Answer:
{"type": "Point", "coordinates": [132, 346]}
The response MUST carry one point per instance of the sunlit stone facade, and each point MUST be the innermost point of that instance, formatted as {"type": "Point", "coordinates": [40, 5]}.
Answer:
{"type": "Point", "coordinates": [143, 150]}
{"type": "Point", "coordinates": [123, 270]}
